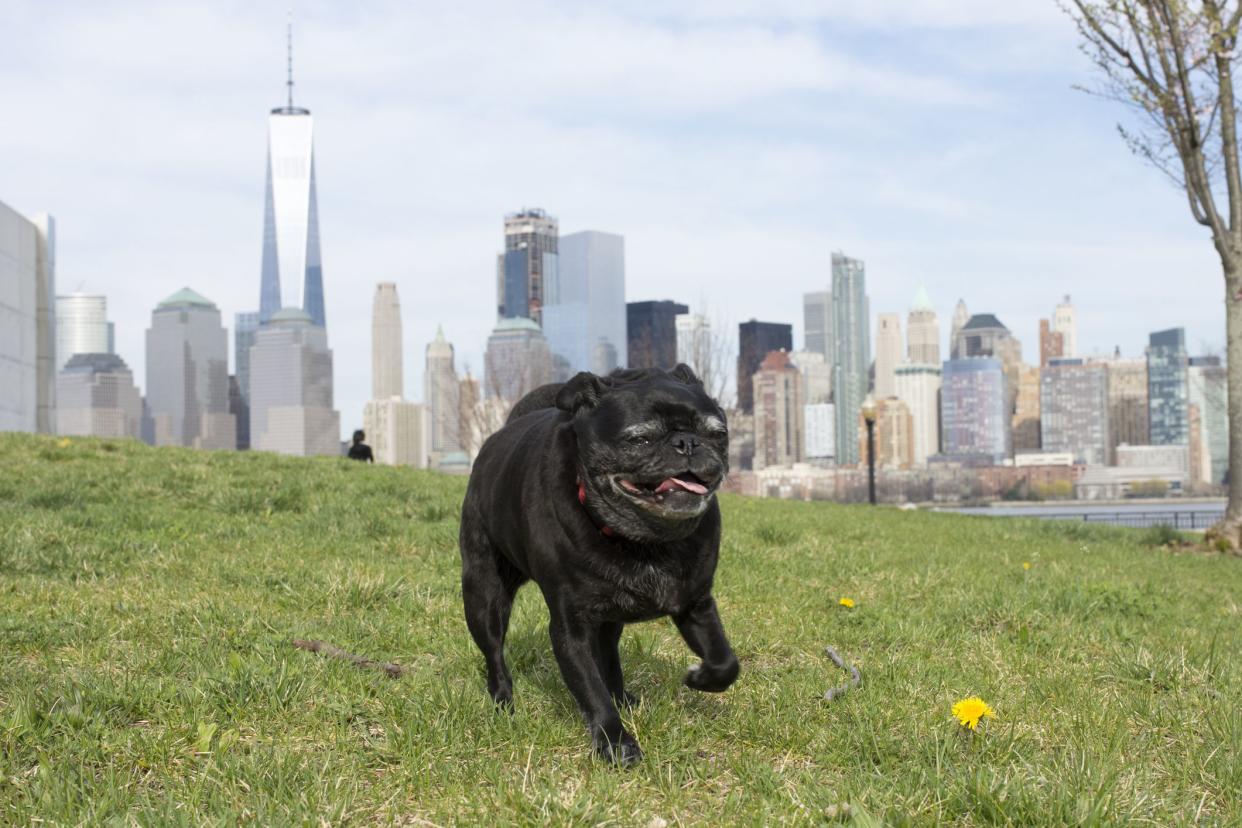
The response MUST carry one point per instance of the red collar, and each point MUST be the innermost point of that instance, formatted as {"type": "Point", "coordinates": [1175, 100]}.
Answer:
{"type": "Point", "coordinates": [607, 532]}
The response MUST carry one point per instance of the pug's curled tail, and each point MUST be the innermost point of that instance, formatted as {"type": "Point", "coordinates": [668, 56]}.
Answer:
{"type": "Point", "coordinates": [854, 680]}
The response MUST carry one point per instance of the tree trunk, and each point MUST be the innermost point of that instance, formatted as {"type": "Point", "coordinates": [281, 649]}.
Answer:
{"type": "Point", "coordinates": [1229, 530]}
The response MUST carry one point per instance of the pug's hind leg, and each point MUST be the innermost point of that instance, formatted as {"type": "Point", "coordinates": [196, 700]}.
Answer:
{"type": "Point", "coordinates": [701, 628]}
{"type": "Point", "coordinates": [488, 584]}
{"type": "Point", "coordinates": [610, 664]}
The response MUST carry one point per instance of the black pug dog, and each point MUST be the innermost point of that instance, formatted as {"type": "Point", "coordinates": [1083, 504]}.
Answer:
{"type": "Point", "coordinates": [601, 491]}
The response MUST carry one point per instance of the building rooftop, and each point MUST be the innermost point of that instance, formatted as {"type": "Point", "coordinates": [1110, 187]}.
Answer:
{"type": "Point", "coordinates": [777, 361]}
{"type": "Point", "coordinates": [517, 323]}
{"type": "Point", "coordinates": [95, 364]}
{"type": "Point", "coordinates": [922, 302]}
{"type": "Point", "coordinates": [291, 315]}
{"type": "Point", "coordinates": [185, 296]}
{"type": "Point", "coordinates": [983, 320]}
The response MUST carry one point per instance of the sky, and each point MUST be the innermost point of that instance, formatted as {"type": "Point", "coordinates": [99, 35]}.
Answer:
{"type": "Point", "coordinates": [735, 144]}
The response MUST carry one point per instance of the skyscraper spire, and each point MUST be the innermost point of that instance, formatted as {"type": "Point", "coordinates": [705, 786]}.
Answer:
{"type": "Point", "coordinates": [289, 39]}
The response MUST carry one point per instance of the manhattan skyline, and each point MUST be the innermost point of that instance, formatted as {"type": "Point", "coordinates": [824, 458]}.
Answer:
{"type": "Point", "coordinates": [740, 147]}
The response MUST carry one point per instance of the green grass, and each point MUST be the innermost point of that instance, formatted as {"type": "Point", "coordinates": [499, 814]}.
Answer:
{"type": "Point", "coordinates": [147, 600]}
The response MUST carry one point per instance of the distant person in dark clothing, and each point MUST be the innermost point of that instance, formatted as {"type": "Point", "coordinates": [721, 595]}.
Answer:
{"type": "Point", "coordinates": [360, 450]}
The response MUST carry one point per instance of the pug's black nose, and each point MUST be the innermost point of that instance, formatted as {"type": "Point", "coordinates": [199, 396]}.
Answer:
{"type": "Point", "coordinates": [685, 444]}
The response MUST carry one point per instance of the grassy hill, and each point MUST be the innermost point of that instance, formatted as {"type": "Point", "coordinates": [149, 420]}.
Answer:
{"type": "Point", "coordinates": [148, 598]}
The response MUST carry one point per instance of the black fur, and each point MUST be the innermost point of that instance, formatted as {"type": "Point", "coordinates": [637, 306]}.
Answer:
{"type": "Point", "coordinates": [621, 557]}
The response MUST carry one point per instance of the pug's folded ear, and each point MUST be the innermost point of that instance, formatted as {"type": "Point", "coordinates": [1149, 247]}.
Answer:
{"type": "Point", "coordinates": [684, 373]}
{"type": "Point", "coordinates": [583, 391]}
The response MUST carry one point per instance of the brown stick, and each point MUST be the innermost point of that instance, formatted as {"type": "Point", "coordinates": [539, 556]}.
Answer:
{"type": "Point", "coordinates": [854, 680]}
{"type": "Point", "coordinates": [332, 651]}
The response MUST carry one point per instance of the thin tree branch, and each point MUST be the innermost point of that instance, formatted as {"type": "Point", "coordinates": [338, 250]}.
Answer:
{"type": "Point", "coordinates": [332, 651]}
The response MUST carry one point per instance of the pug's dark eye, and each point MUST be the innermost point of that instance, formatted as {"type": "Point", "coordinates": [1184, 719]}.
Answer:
{"type": "Point", "coordinates": [639, 440]}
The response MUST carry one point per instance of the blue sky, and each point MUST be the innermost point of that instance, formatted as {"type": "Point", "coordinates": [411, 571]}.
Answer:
{"type": "Point", "coordinates": [735, 145]}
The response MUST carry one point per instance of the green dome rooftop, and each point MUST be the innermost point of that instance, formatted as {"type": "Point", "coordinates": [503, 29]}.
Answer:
{"type": "Point", "coordinates": [291, 315]}
{"type": "Point", "coordinates": [922, 302]}
{"type": "Point", "coordinates": [185, 296]}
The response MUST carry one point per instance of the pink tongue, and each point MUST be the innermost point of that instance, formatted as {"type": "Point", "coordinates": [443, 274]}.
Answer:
{"type": "Point", "coordinates": [671, 483]}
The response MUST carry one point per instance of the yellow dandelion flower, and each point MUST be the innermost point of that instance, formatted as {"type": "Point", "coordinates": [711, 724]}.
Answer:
{"type": "Point", "coordinates": [848, 603]}
{"type": "Point", "coordinates": [64, 442]}
{"type": "Point", "coordinates": [969, 711]}
{"type": "Point", "coordinates": [1026, 564]}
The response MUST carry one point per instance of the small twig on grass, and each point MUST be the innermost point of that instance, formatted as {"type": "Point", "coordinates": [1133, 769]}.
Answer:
{"type": "Point", "coordinates": [841, 689]}
{"type": "Point", "coordinates": [333, 651]}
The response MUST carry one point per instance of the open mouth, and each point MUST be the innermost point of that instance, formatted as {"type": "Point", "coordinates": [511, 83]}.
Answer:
{"type": "Point", "coordinates": [681, 487]}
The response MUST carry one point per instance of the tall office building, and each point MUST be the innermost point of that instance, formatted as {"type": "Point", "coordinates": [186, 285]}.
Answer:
{"type": "Point", "coordinates": [817, 323]}
{"type": "Point", "coordinates": [820, 424]}
{"type": "Point", "coordinates": [651, 333]}
{"type": "Point", "coordinates": [529, 261]}
{"type": "Point", "coordinates": [291, 213]}
{"type": "Point", "coordinates": [584, 313]}
{"type": "Point", "coordinates": [984, 335]}
{"type": "Point", "coordinates": [1026, 410]}
{"type": "Point", "coordinates": [398, 432]}
{"type": "Point", "coordinates": [1207, 387]}
{"type": "Point", "coordinates": [974, 414]}
{"type": "Point", "coordinates": [27, 322]}
{"type": "Point", "coordinates": [82, 326]}
{"type": "Point", "coordinates": [894, 434]}
{"type": "Point", "coordinates": [922, 331]}
{"type": "Point", "coordinates": [188, 374]}
{"type": "Point", "coordinates": [918, 386]}
{"type": "Point", "coordinates": [387, 368]}
{"type": "Point", "coordinates": [291, 394]}
{"type": "Point", "coordinates": [851, 329]}
{"type": "Point", "coordinates": [887, 354]}
{"type": "Point", "coordinates": [517, 360]}
{"type": "Point", "coordinates": [1065, 323]}
{"type": "Point", "coordinates": [440, 393]}
{"type": "Point", "coordinates": [755, 341]}
{"type": "Point", "coordinates": [1073, 410]}
{"type": "Point", "coordinates": [96, 397]}
{"type": "Point", "coordinates": [1166, 388]}
{"type": "Point", "coordinates": [778, 400]}
{"type": "Point", "coordinates": [245, 325]}
{"type": "Point", "coordinates": [1051, 343]}
{"type": "Point", "coordinates": [960, 317]}
{"type": "Point", "coordinates": [1127, 403]}
{"type": "Point", "coordinates": [816, 375]}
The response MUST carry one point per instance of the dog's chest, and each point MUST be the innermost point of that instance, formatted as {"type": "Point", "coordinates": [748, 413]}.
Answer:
{"type": "Point", "coordinates": [644, 590]}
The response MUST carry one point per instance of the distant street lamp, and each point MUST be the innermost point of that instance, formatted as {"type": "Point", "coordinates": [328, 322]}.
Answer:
{"type": "Point", "coordinates": [868, 412]}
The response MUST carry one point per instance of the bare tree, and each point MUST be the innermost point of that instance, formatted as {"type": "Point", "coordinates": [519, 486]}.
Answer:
{"type": "Point", "coordinates": [1171, 62]}
{"type": "Point", "coordinates": [710, 352]}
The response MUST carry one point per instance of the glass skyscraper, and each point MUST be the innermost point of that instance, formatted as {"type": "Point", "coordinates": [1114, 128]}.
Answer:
{"type": "Point", "coordinates": [851, 330]}
{"type": "Point", "coordinates": [975, 419]}
{"type": "Point", "coordinates": [291, 214]}
{"type": "Point", "coordinates": [245, 325]}
{"type": "Point", "coordinates": [81, 327]}
{"type": "Point", "coordinates": [527, 265]}
{"type": "Point", "coordinates": [584, 313]}
{"type": "Point", "coordinates": [1166, 388]}
{"type": "Point", "coordinates": [1073, 406]}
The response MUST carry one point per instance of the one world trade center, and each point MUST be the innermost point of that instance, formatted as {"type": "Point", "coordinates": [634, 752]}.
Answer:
{"type": "Point", "coordinates": [291, 215]}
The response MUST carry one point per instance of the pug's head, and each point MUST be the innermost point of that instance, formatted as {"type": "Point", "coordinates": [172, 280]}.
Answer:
{"type": "Point", "coordinates": [653, 447]}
